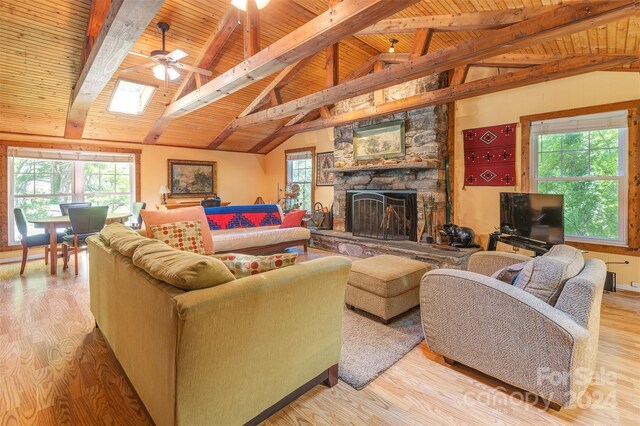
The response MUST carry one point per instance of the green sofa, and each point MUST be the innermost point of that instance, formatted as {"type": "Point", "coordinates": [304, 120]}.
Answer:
{"type": "Point", "coordinates": [228, 354]}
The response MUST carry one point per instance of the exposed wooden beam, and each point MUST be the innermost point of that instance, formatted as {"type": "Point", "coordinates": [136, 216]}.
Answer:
{"type": "Point", "coordinates": [212, 47]}
{"type": "Point", "coordinates": [458, 75]}
{"type": "Point", "coordinates": [469, 21]}
{"type": "Point", "coordinates": [276, 98]}
{"type": "Point", "coordinates": [310, 116]}
{"type": "Point", "coordinates": [519, 60]}
{"type": "Point", "coordinates": [251, 29]}
{"type": "Point", "coordinates": [536, 74]}
{"type": "Point", "coordinates": [378, 95]}
{"type": "Point", "coordinates": [285, 76]}
{"type": "Point", "coordinates": [564, 20]}
{"type": "Point", "coordinates": [125, 22]}
{"type": "Point", "coordinates": [323, 111]}
{"type": "Point", "coordinates": [394, 58]}
{"type": "Point", "coordinates": [421, 43]}
{"type": "Point", "coordinates": [322, 31]}
{"type": "Point", "coordinates": [97, 15]}
{"type": "Point", "coordinates": [332, 62]}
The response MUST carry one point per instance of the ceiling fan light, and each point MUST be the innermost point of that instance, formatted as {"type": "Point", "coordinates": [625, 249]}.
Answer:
{"type": "Point", "coordinates": [173, 74]}
{"type": "Point", "coordinates": [261, 3]}
{"type": "Point", "coordinates": [240, 4]}
{"type": "Point", "coordinates": [158, 72]}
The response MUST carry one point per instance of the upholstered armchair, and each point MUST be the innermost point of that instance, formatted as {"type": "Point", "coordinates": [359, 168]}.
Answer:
{"type": "Point", "coordinates": [507, 333]}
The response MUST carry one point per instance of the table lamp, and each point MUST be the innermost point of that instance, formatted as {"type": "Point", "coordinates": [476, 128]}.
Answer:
{"type": "Point", "coordinates": [164, 191]}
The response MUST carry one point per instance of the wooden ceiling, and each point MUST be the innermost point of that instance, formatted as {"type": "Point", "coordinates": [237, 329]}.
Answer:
{"type": "Point", "coordinates": [42, 42]}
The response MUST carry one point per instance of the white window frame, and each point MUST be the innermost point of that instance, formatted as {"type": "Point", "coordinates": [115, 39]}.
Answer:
{"type": "Point", "coordinates": [591, 122]}
{"type": "Point", "coordinates": [78, 195]}
{"type": "Point", "coordinates": [289, 170]}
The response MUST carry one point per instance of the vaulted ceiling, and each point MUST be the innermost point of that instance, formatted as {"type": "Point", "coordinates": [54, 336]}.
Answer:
{"type": "Point", "coordinates": [42, 43]}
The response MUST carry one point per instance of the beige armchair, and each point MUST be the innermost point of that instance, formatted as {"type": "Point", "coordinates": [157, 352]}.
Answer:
{"type": "Point", "coordinates": [507, 333]}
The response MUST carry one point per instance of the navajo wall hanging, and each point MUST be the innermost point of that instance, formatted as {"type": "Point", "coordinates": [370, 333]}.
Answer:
{"type": "Point", "coordinates": [489, 156]}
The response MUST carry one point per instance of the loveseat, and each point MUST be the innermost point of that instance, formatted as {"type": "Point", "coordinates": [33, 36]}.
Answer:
{"type": "Point", "coordinates": [252, 229]}
{"type": "Point", "coordinates": [501, 330]}
{"type": "Point", "coordinates": [226, 354]}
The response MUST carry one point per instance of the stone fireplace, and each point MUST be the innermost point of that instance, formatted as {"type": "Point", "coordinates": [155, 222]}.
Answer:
{"type": "Point", "coordinates": [425, 139]}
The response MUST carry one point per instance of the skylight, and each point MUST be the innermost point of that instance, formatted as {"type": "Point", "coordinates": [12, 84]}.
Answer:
{"type": "Point", "coordinates": [130, 97]}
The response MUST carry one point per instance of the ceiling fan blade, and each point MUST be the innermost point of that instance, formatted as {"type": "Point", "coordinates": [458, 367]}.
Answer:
{"type": "Point", "coordinates": [193, 69]}
{"type": "Point", "coordinates": [139, 67]}
{"type": "Point", "coordinates": [176, 55]}
{"type": "Point", "coordinates": [131, 52]}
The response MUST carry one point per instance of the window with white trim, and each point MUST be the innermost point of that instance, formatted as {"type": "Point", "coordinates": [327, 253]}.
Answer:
{"type": "Point", "coordinates": [40, 180]}
{"type": "Point", "coordinates": [585, 159]}
{"type": "Point", "coordinates": [299, 174]}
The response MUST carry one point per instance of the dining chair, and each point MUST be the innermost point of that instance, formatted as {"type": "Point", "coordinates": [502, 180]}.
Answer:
{"type": "Point", "coordinates": [136, 217]}
{"type": "Point", "coordinates": [85, 222]}
{"type": "Point", "coordinates": [31, 240]}
{"type": "Point", "coordinates": [64, 207]}
{"type": "Point", "coordinates": [64, 211]}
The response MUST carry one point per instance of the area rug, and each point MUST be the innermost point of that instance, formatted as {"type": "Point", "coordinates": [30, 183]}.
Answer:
{"type": "Point", "coordinates": [369, 347]}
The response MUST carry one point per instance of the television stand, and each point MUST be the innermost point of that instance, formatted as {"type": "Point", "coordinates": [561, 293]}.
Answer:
{"type": "Point", "coordinates": [537, 247]}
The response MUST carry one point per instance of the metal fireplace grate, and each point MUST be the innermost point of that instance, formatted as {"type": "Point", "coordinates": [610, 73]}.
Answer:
{"type": "Point", "coordinates": [375, 215]}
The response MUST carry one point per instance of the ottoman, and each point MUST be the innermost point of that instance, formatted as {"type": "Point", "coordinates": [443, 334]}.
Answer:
{"type": "Point", "coordinates": [385, 285]}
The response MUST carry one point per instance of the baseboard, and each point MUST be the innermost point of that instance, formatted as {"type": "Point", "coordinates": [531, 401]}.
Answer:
{"type": "Point", "coordinates": [627, 287]}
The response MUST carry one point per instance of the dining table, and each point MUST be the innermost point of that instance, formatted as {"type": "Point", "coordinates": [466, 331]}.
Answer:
{"type": "Point", "coordinates": [54, 222]}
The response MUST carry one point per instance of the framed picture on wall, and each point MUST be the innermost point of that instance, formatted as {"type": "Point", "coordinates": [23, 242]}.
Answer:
{"type": "Point", "coordinates": [385, 140]}
{"type": "Point", "coordinates": [192, 179]}
{"type": "Point", "coordinates": [324, 161]}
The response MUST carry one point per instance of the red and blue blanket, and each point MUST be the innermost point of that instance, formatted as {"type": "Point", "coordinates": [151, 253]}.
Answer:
{"type": "Point", "coordinates": [249, 216]}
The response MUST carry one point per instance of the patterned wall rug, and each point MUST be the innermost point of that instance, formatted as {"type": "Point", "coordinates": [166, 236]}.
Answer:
{"type": "Point", "coordinates": [370, 347]}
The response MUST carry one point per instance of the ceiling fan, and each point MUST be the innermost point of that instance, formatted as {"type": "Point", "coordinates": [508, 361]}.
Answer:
{"type": "Point", "coordinates": [165, 64]}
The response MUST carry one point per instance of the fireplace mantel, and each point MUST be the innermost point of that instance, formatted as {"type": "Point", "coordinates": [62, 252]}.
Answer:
{"type": "Point", "coordinates": [428, 164]}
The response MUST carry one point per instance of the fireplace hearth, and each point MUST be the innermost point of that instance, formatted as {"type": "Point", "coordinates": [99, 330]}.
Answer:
{"type": "Point", "coordinates": [383, 215]}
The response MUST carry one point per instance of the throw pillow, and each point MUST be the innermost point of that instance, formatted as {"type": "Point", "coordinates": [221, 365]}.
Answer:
{"type": "Point", "coordinates": [185, 236]}
{"type": "Point", "coordinates": [182, 269]}
{"type": "Point", "coordinates": [293, 219]}
{"type": "Point", "coordinates": [545, 276]}
{"type": "Point", "coordinates": [509, 273]}
{"type": "Point", "coordinates": [243, 265]}
{"type": "Point", "coordinates": [158, 217]}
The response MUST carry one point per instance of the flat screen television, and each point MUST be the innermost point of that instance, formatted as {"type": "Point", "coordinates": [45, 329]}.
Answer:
{"type": "Point", "coordinates": [537, 217]}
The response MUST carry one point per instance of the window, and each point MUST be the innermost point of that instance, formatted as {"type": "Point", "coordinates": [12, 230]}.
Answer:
{"type": "Point", "coordinates": [130, 98]}
{"type": "Point", "coordinates": [299, 175]}
{"type": "Point", "coordinates": [40, 180]}
{"type": "Point", "coordinates": [584, 158]}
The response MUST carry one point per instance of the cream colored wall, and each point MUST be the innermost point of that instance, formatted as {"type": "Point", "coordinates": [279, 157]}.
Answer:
{"type": "Point", "coordinates": [478, 207]}
{"type": "Point", "coordinates": [240, 176]}
{"type": "Point", "coordinates": [322, 140]}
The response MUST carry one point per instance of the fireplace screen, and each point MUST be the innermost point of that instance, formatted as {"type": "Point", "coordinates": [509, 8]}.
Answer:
{"type": "Point", "coordinates": [376, 215]}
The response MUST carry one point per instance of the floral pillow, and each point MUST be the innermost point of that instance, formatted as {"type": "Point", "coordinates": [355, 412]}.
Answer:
{"type": "Point", "coordinates": [185, 236]}
{"type": "Point", "coordinates": [243, 265]}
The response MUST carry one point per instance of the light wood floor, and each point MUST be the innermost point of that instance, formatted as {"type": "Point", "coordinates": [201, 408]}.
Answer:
{"type": "Point", "coordinates": [56, 369]}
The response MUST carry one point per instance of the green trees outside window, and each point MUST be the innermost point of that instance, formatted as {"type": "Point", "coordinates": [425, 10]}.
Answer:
{"type": "Point", "coordinates": [39, 186]}
{"type": "Point", "coordinates": [588, 168]}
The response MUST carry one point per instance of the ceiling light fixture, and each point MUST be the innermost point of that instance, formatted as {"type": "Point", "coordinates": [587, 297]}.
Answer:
{"type": "Point", "coordinates": [242, 4]}
{"type": "Point", "coordinates": [161, 72]}
{"type": "Point", "coordinates": [393, 42]}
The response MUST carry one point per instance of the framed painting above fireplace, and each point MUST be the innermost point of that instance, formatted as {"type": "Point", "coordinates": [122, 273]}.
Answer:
{"type": "Point", "coordinates": [385, 140]}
